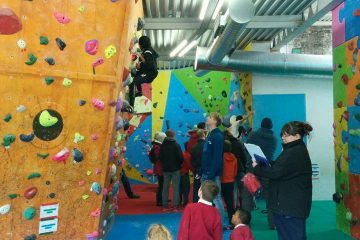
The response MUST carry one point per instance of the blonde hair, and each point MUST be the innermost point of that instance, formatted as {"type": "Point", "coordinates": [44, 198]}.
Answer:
{"type": "Point", "coordinates": [158, 232]}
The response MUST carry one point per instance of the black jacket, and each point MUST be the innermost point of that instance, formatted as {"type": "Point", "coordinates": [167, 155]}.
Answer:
{"type": "Point", "coordinates": [290, 190]}
{"type": "Point", "coordinates": [170, 155]}
{"type": "Point", "coordinates": [150, 64]}
{"type": "Point", "coordinates": [238, 149]}
{"type": "Point", "coordinates": [196, 154]}
{"type": "Point", "coordinates": [266, 140]}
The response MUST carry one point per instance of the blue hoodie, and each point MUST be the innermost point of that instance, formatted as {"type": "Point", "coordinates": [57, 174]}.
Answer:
{"type": "Point", "coordinates": [212, 161]}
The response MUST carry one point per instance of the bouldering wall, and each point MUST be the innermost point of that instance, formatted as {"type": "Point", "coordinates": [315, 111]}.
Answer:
{"type": "Point", "coordinates": [60, 74]}
{"type": "Point", "coordinates": [347, 116]}
{"type": "Point", "coordinates": [179, 101]}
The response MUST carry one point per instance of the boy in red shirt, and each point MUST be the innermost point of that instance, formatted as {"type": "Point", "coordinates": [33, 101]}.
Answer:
{"type": "Point", "coordinates": [201, 220]}
{"type": "Point", "coordinates": [241, 219]}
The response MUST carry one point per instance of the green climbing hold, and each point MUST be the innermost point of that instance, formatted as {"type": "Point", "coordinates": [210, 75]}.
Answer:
{"type": "Point", "coordinates": [34, 175]}
{"type": "Point", "coordinates": [44, 40]}
{"type": "Point", "coordinates": [7, 140]}
{"type": "Point", "coordinates": [155, 104]}
{"type": "Point", "coordinates": [12, 195]}
{"type": "Point", "coordinates": [7, 118]}
{"type": "Point", "coordinates": [46, 120]}
{"type": "Point", "coordinates": [29, 213]}
{"type": "Point", "coordinates": [43, 155]}
{"type": "Point", "coordinates": [32, 59]}
{"type": "Point", "coordinates": [357, 116]}
{"type": "Point", "coordinates": [358, 86]}
{"type": "Point", "coordinates": [49, 80]}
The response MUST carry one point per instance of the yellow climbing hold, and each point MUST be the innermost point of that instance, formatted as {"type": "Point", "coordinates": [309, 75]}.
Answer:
{"type": "Point", "coordinates": [67, 82]}
{"type": "Point", "coordinates": [110, 51]}
{"type": "Point", "coordinates": [88, 173]}
{"type": "Point", "coordinates": [81, 8]}
{"type": "Point", "coordinates": [78, 137]}
{"type": "Point", "coordinates": [46, 120]}
{"type": "Point", "coordinates": [85, 196]}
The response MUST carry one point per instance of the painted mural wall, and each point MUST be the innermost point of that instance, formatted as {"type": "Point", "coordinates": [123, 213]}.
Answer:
{"type": "Point", "coordinates": [347, 115]}
{"type": "Point", "coordinates": [180, 100]}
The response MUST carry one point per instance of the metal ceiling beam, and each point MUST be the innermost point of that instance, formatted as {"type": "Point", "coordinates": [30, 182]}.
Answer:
{"type": "Point", "coordinates": [260, 22]}
{"type": "Point", "coordinates": [311, 16]}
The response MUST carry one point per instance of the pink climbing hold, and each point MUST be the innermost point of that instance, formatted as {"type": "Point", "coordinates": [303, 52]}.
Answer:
{"type": "Point", "coordinates": [231, 107]}
{"type": "Point", "coordinates": [94, 137]}
{"type": "Point", "coordinates": [9, 22]}
{"type": "Point", "coordinates": [61, 18]}
{"type": "Point", "coordinates": [98, 62]}
{"type": "Point", "coordinates": [149, 172]}
{"type": "Point", "coordinates": [81, 183]}
{"type": "Point", "coordinates": [92, 46]}
{"type": "Point", "coordinates": [98, 104]}
{"type": "Point", "coordinates": [95, 213]}
{"type": "Point", "coordinates": [62, 155]}
{"type": "Point", "coordinates": [98, 171]}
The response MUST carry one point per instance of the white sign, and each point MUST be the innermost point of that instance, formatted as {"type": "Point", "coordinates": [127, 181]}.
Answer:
{"type": "Point", "coordinates": [48, 218]}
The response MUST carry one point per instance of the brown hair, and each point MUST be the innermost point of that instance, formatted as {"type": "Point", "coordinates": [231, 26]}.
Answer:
{"type": "Point", "coordinates": [217, 118]}
{"type": "Point", "coordinates": [170, 133]}
{"type": "Point", "coordinates": [244, 216]}
{"type": "Point", "coordinates": [209, 190]}
{"type": "Point", "coordinates": [297, 127]}
{"type": "Point", "coordinates": [158, 232]}
{"type": "Point", "coordinates": [200, 133]}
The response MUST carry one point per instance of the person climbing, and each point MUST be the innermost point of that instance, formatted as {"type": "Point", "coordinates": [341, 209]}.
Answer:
{"type": "Point", "coordinates": [146, 71]}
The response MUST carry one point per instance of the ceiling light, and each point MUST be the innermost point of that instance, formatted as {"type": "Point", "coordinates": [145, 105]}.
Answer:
{"type": "Point", "coordinates": [178, 48]}
{"type": "Point", "coordinates": [185, 50]}
{"type": "Point", "coordinates": [203, 9]}
{"type": "Point", "coordinates": [218, 8]}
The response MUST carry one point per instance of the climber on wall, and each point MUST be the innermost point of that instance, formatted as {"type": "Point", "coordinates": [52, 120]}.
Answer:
{"type": "Point", "coordinates": [146, 71]}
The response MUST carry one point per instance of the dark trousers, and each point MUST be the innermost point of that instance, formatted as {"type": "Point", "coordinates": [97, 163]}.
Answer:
{"type": "Point", "coordinates": [246, 199]}
{"type": "Point", "coordinates": [126, 184]}
{"type": "Point", "coordinates": [159, 190]}
{"type": "Point", "coordinates": [137, 81]}
{"type": "Point", "coordinates": [265, 183]}
{"type": "Point", "coordinates": [290, 228]}
{"type": "Point", "coordinates": [196, 187]}
{"type": "Point", "coordinates": [227, 190]}
{"type": "Point", "coordinates": [184, 189]}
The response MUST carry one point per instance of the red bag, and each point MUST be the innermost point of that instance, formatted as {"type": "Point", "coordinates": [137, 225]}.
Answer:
{"type": "Point", "coordinates": [251, 183]}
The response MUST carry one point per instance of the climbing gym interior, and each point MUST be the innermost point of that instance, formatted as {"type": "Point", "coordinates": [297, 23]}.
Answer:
{"type": "Point", "coordinates": [75, 161]}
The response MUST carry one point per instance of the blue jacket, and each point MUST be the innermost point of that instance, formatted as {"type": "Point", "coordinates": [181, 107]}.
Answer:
{"type": "Point", "coordinates": [212, 161]}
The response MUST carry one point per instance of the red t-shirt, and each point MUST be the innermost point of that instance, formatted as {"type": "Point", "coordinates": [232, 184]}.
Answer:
{"type": "Point", "coordinates": [200, 222]}
{"type": "Point", "coordinates": [242, 232]}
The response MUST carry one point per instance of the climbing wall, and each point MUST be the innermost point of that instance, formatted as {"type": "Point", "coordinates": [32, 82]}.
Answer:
{"type": "Point", "coordinates": [61, 63]}
{"type": "Point", "coordinates": [179, 101]}
{"type": "Point", "coordinates": [346, 18]}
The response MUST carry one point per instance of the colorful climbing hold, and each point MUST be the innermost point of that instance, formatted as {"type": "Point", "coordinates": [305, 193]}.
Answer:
{"type": "Point", "coordinates": [12, 195]}
{"type": "Point", "coordinates": [78, 137]}
{"type": "Point", "coordinates": [30, 237]}
{"type": "Point", "coordinates": [140, 24]}
{"type": "Point", "coordinates": [46, 120]}
{"type": "Point", "coordinates": [77, 155]}
{"type": "Point", "coordinates": [95, 213]}
{"type": "Point", "coordinates": [85, 196]}
{"type": "Point", "coordinates": [94, 137]}
{"type": "Point", "coordinates": [27, 138]}
{"type": "Point", "coordinates": [62, 155]}
{"type": "Point", "coordinates": [30, 192]}
{"type": "Point", "coordinates": [98, 104]}
{"type": "Point", "coordinates": [21, 44]}
{"type": "Point", "coordinates": [81, 183]}
{"type": "Point", "coordinates": [34, 175]}
{"type": "Point", "coordinates": [60, 43]}
{"type": "Point", "coordinates": [29, 213]}
{"type": "Point", "coordinates": [9, 22]}
{"type": "Point", "coordinates": [92, 46]}
{"type": "Point", "coordinates": [50, 60]}
{"type": "Point", "coordinates": [67, 82]}
{"type": "Point", "coordinates": [88, 172]}
{"type": "Point", "coordinates": [95, 187]}
{"type": "Point", "coordinates": [155, 104]}
{"type": "Point", "coordinates": [82, 102]}
{"type": "Point", "coordinates": [224, 94]}
{"type": "Point", "coordinates": [110, 51]}
{"type": "Point", "coordinates": [61, 18]}
{"type": "Point", "coordinates": [32, 59]}
{"type": "Point", "coordinates": [52, 195]}
{"type": "Point", "coordinates": [43, 155]}
{"type": "Point", "coordinates": [7, 140]}
{"type": "Point", "coordinates": [44, 40]}
{"type": "Point", "coordinates": [5, 209]}
{"type": "Point", "coordinates": [20, 108]}
{"type": "Point", "coordinates": [7, 117]}
{"type": "Point", "coordinates": [81, 8]}
{"type": "Point", "coordinates": [49, 80]}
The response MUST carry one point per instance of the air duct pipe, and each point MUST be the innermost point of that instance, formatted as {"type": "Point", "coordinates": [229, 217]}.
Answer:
{"type": "Point", "coordinates": [240, 14]}
{"type": "Point", "coordinates": [269, 63]}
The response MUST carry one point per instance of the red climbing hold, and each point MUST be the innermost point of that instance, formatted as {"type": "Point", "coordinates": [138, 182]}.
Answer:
{"type": "Point", "coordinates": [9, 22]}
{"type": "Point", "coordinates": [30, 192]}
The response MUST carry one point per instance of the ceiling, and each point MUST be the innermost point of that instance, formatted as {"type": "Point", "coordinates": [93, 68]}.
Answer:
{"type": "Point", "coordinates": [168, 22]}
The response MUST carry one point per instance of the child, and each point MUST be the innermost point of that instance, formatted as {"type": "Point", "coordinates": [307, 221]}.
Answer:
{"type": "Point", "coordinates": [147, 71]}
{"type": "Point", "coordinates": [154, 159]}
{"type": "Point", "coordinates": [158, 232]}
{"type": "Point", "coordinates": [228, 179]}
{"type": "Point", "coordinates": [241, 219]}
{"type": "Point", "coordinates": [201, 221]}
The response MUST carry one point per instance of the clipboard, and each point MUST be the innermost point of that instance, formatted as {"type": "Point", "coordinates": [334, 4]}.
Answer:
{"type": "Point", "coordinates": [257, 154]}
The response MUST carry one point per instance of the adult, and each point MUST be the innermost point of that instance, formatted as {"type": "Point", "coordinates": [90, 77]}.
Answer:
{"type": "Point", "coordinates": [290, 191]}
{"type": "Point", "coordinates": [212, 162]}
{"type": "Point", "coordinates": [265, 139]}
{"type": "Point", "coordinates": [127, 186]}
{"type": "Point", "coordinates": [146, 71]}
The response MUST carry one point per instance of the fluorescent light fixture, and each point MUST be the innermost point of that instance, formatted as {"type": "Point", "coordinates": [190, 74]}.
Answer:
{"type": "Point", "coordinates": [218, 8]}
{"type": "Point", "coordinates": [178, 48]}
{"type": "Point", "coordinates": [203, 9]}
{"type": "Point", "coordinates": [188, 47]}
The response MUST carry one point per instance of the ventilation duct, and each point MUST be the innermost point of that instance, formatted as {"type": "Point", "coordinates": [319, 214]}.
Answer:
{"type": "Point", "coordinates": [240, 13]}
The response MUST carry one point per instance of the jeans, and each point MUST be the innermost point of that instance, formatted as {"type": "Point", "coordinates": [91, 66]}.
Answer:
{"type": "Point", "coordinates": [175, 178]}
{"type": "Point", "coordinates": [290, 228]}
{"type": "Point", "coordinates": [218, 200]}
